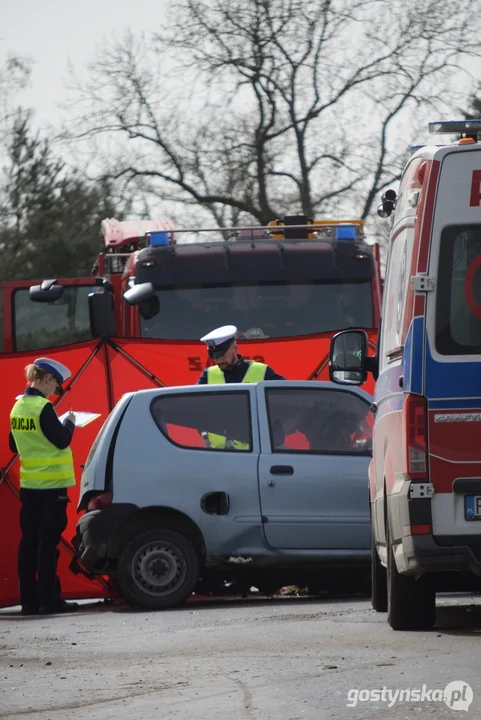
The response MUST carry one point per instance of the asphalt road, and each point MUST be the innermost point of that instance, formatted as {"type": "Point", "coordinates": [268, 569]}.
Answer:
{"type": "Point", "coordinates": [281, 658]}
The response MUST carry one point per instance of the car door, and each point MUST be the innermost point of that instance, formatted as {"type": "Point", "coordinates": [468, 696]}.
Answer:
{"type": "Point", "coordinates": [313, 466]}
{"type": "Point", "coordinates": [164, 458]}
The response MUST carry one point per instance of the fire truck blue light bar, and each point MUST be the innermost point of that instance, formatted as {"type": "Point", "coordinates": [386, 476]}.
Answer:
{"type": "Point", "coordinates": [346, 232]}
{"type": "Point", "coordinates": [158, 237]}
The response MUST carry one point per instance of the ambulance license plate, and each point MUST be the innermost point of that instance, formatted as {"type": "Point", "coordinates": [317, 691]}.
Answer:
{"type": "Point", "coordinates": [472, 507]}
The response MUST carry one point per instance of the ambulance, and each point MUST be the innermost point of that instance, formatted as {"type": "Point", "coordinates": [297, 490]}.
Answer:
{"type": "Point", "coordinates": [425, 474]}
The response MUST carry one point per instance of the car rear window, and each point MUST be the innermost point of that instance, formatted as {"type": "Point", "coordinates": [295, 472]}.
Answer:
{"type": "Point", "coordinates": [202, 420]}
{"type": "Point", "coordinates": [458, 299]}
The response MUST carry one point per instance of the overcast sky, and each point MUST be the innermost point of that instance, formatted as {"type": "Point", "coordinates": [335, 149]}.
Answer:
{"type": "Point", "coordinates": [54, 32]}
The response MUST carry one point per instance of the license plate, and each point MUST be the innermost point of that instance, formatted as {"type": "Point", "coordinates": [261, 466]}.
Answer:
{"type": "Point", "coordinates": [472, 507]}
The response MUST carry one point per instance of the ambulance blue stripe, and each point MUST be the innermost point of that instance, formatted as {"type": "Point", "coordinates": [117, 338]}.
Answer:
{"type": "Point", "coordinates": [452, 380]}
{"type": "Point", "coordinates": [416, 356]}
{"type": "Point", "coordinates": [407, 360]}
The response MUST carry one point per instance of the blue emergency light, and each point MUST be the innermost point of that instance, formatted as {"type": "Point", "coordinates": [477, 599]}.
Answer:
{"type": "Point", "coordinates": [465, 127]}
{"type": "Point", "coordinates": [346, 232]}
{"type": "Point", "coordinates": [158, 237]}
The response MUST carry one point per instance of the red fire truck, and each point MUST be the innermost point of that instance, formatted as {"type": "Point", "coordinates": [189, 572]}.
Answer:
{"type": "Point", "coordinates": [155, 290]}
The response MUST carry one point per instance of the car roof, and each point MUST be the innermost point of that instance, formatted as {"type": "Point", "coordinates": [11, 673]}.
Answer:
{"type": "Point", "coordinates": [313, 384]}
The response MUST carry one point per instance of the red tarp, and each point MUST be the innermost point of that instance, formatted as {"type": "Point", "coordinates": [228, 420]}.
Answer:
{"type": "Point", "coordinates": [101, 372]}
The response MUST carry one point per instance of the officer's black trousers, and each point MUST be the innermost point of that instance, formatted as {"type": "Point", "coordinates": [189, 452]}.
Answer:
{"type": "Point", "coordinates": [43, 518]}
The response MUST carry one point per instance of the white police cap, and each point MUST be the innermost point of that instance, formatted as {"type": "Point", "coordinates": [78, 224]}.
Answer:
{"type": "Point", "coordinates": [61, 372]}
{"type": "Point", "coordinates": [220, 338]}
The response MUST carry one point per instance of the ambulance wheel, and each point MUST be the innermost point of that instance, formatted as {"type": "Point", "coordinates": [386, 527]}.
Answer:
{"type": "Point", "coordinates": [378, 580]}
{"type": "Point", "coordinates": [158, 569]}
{"type": "Point", "coordinates": [411, 602]}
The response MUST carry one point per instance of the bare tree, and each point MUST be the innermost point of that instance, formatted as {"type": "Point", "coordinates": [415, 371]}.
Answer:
{"type": "Point", "coordinates": [473, 111]}
{"type": "Point", "coordinates": [258, 108]}
{"type": "Point", "coordinates": [14, 76]}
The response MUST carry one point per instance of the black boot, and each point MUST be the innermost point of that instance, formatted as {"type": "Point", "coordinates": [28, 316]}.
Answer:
{"type": "Point", "coordinates": [29, 610]}
{"type": "Point", "coordinates": [61, 606]}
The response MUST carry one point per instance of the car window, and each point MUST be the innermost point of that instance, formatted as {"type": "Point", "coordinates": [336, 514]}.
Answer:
{"type": "Point", "coordinates": [212, 421]}
{"type": "Point", "coordinates": [458, 297]}
{"type": "Point", "coordinates": [318, 421]}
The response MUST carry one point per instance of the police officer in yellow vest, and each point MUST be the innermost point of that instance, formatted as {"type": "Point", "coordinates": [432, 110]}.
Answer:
{"type": "Point", "coordinates": [46, 471]}
{"type": "Point", "coordinates": [230, 367]}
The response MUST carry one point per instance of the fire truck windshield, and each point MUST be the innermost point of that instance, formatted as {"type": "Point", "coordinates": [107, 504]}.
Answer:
{"type": "Point", "coordinates": [263, 310]}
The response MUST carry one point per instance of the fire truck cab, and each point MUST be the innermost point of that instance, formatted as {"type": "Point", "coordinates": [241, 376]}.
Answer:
{"type": "Point", "coordinates": [424, 478]}
{"type": "Point", "coordinates": [294, 278]}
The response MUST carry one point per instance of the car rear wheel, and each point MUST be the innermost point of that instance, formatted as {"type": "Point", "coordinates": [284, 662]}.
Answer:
{"type": "Point", "coordinates": [158, 569]}
{"type": "Point", "coordinates": [378, 580]}
{"type": "Point", "coordinates": [411, 602]}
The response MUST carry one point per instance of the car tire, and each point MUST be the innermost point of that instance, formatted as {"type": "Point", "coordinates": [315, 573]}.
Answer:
{"type": "Point", "coordinates": [411, 602]}
{"type": "Point", "coordinates": [378, 580]}
{"type": "Point", "coordinates": [158, 569]}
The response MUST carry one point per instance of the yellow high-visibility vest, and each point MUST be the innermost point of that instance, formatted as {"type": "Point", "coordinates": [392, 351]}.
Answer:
{"type": "Point", "coordinates": [255, 373]}
{"type": "Point", "coordinates": [42, 464]}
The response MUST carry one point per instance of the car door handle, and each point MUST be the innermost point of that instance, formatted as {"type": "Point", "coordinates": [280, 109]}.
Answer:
{"type": "Point", "coordinates": [282, 470]}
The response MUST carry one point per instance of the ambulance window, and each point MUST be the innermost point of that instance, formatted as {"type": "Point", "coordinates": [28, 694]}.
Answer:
{"type": "Point", "coordinates": [458, 302]}
{"type": "Point", "coordinates": [394, 302]}
{"type": "Point", "coordinates": [212, 421]}
{"type": "Point", "coordinates": [41, 325]}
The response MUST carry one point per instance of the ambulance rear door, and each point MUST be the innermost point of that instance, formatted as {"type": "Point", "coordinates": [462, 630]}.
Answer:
{"type": "Point", "coordinates": [452, 355]}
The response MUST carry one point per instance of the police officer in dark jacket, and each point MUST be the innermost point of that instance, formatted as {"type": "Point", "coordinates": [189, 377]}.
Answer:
{"type": "Point", "coordinates": [230, 367]}
{"type": "Point", "coordinates": [46, 473]}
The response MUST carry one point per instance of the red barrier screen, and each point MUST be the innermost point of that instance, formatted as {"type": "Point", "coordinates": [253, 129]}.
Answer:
{"type": "Point", "coordinates": [102, 370]}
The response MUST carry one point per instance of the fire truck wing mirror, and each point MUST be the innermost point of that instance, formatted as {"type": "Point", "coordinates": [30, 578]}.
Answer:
{"type": "Point", "coordinates": [149, 308]}
{"type": "Point", "coordinates": [139, 293]}
{"type": "Point", "coordinates": [102, 314]}
{"type": "Point", "coordinates": [104, 283]}
{"type": "Point", "coordinates": [348, 360]}
{"type": "Point", "coordinates": [48, 291]}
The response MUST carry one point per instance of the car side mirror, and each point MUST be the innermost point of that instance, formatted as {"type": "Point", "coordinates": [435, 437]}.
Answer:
{"type": "Point", "coordinates": [102, 314]}
{"type": "Point", "coordinates": [139, 293]}
{"type": "Point", "coordinates": [348, 359]}
{"type": "Point", "coordinates": [47, 291]}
